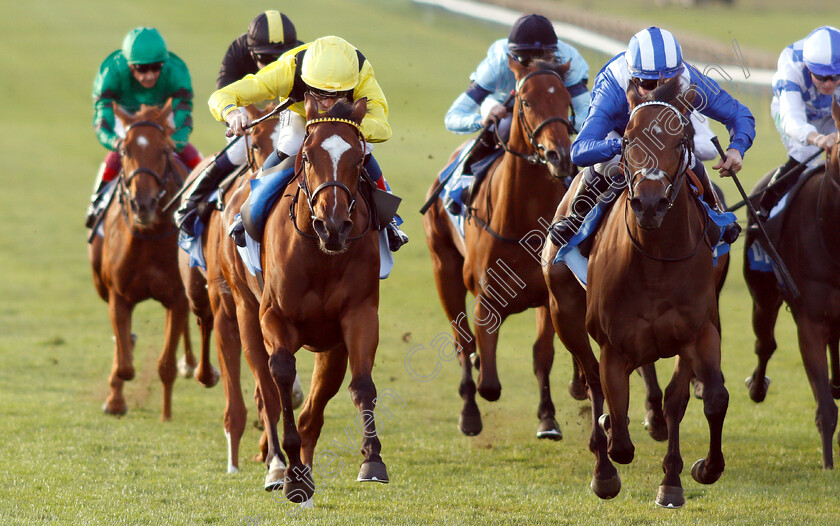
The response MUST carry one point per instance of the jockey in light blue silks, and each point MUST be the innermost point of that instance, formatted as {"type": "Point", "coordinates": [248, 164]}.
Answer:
{"type": "Point", "coordinates": [531, 37]}
{"type": "Point", "coordinates": [653, 56]}
{"type": "Point", "coordinates": [805, 83]}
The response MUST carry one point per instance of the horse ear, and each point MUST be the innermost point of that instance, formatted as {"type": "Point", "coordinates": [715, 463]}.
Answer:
{"type": "Point", "coordinates": [166, 110]}
{"type": "Point", "coordinates": [633, 95]}
{"type": "Point", "coordinates": [311, 106]}
{"type": "Point", "coordinates": [122, 115]}
{"type": "Point", "coordinates": [517, 68]}
{"type": "Point", "coordinates": [359, 110]}
{"type": "Point", "coordinates": [562, 69]}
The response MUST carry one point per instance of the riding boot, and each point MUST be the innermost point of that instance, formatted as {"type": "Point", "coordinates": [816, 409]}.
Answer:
{"type": "Point", "coordinates": [205, 183]}
{"type": "Point", "coordinates": [396, 237]}
{"type": "Point", "coordinates": [731, 231]}
{"type": "Point", "coordinates": [98, 185]}
{"type": "Point", "coordinates": [586, 196]}
{"type": "Point", "coordinates": [788, 173]}
{"type": "Point", "coordinates": [485, 145]}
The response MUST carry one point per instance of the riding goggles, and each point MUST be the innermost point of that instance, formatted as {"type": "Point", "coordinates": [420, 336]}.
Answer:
{"type": "Point", "coordinates": [145, 68]}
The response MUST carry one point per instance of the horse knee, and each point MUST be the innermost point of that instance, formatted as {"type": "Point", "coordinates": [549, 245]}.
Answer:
{"type": "Point", "coordinates": [281, 364]}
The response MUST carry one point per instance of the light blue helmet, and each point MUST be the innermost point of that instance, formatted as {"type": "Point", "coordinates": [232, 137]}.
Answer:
{"type": "Point", "coordinates": [821, 51]}
{"type": "Point", "coordinates": [654, 53]}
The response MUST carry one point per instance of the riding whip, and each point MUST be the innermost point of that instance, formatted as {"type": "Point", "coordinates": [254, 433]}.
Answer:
{"type": "Point", "coordinates": [770, 249]}
{"type": "Point", "coordinates": [442, 183]}
{"type": "Point", "coordinates": [779, 180]}
{"type": "Point", "coordinates": [229, 133]}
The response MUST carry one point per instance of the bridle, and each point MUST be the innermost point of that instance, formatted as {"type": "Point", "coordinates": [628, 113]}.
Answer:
{"type": "Point", "coordinates": [674, 182]}
{"type": "Point", "coordinates": [125, 180]}
{"type": "Point", "coordinates": [531, 132]}
{"type": "Point", "coordinates": [303, 183]}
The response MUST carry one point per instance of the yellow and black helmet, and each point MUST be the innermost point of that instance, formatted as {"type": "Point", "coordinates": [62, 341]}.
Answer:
{"type": "Point", "coordinates": [272, 33]}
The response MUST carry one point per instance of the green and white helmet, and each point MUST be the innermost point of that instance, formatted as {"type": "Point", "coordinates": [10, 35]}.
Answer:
{"type": "Point", "coordinates": [144, 45]}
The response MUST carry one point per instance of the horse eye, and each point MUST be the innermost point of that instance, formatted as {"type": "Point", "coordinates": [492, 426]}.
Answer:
{"type": "Point", "coordinates": [525, 103]}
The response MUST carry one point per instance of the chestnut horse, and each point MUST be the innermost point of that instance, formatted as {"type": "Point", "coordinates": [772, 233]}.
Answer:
{"type": "Point", "coordinates": [494, 260]}
{"type": "Point", "coordinates": [137, 258]}
{"type": "Point", "coordinates": [320, 261]}
{"type": "Point", "coordinates": [205, 291]}
{"type": "Point", "coordinates": [809, 244]}
{"type": "Point", "coordinates": [651, 293]}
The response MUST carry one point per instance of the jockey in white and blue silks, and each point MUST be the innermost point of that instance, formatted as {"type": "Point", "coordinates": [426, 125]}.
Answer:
{"type": "Point", "coordinates": [653, 56]}
{"type": "Point", "coordinates": [531, 37]}
{"type": "Point", "coordinates": [805, 83]}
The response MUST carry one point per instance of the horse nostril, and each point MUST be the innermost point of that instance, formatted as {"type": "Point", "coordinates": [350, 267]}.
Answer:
{"type": "Point", "coordinates": [552, 157]}
{"type": "Point", "coordinates": [662, 205]}
{"type": "Point", "coordinates": [346, 227]}
{"type": "Point", "coordinates": [636, 205]}
{"type": "Point", "coordinates": [320, 227]}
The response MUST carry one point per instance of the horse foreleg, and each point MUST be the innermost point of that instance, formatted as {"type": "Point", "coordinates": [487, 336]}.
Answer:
{"type": "Point", "coordinates": [766, 303]}
{"type": "Point", "coordinates": [567, 314]}
{"type": "Point", "coordinates": [122, 369]}
{"type": "Point", "coordinates": [670, 493]}
{"type": "Point", "coordinates": [487, 323]}
{"type": "Point", "coordinates": [577, 385]}
{"type": "Point", "coordinates": [706, 364]}
{"type": "Point", "coordinates": [327, 375]}
{"type": "Point", "coordinates": [543, 361]}
{"type": "Point", "coordinates": [229, 356]}
{"type": "Point", "coordinates": [447, 265]}
{"type": "Point", "coordinates": [813, 338]}
{"type": "Point", "coordinates": [654, 419]}
{"type": "Point", "coordinates": [615, 380]}
{"type": "Point", "coordinates": [361, 335]}
{"type": "Point", "coordinates": [176, 321]}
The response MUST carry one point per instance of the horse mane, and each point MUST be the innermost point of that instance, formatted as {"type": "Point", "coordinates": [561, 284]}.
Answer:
{"type": "Point", "coordinates": [538, 64]}
{"type": "Point", "coordinates": [340, 110]}
{"type": "Point", "coordinates": [671, 93]}
{"type": "Point", "coordinates": [154, 113]}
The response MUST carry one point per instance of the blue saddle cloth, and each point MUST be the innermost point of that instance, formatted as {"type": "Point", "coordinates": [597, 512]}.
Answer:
{"type": "Point", "coordinates": [570, 254]}
{"type": "Point", "coordinates": [265, 191]}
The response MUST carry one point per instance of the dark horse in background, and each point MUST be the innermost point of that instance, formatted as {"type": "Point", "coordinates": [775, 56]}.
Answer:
{"type": "Point", "coordinates": [493, 259]}
{"type": "Point", "coordinates": [809, 244]}
{"type": "Point", "coordinates": [137, 258]}
{"type": "Point", "coordinates": [652, 293]}
{"type": "Point", "coordinates": [209, 295]}
{"type": "Point", "coordinates": [320, 261]}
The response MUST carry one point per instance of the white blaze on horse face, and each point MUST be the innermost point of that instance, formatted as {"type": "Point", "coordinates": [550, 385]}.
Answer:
{"type": "Point", "coordinates": [551, 89]}
{"type": "Point", "coordinates": [335, 146]}
{"type": "Point", "coordinates": [142, 141]}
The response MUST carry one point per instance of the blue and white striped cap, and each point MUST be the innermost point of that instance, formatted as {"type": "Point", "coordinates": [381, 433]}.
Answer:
{"type": "Point", "coordinates": [821, 51]}
{"type": "Point", "coordinates": [653, 53]}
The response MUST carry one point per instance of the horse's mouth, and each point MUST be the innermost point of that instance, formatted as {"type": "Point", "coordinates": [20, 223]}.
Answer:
{"type": "Point", "coordinates": [331, 248]}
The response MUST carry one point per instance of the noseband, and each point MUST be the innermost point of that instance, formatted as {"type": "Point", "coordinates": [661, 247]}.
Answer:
{"type": "Point", "coordinates": [674, 183]}
{"type": "Point", "coordinates": [303, 184]}
{"type": "Point", "coordinates": [531, 133]}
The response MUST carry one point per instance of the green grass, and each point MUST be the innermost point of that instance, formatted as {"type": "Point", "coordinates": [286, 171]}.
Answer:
{"type": "Point", "coordinates": [65, 463]}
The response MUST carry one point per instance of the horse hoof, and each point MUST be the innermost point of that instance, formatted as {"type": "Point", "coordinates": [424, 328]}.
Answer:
{"type": "Point", "coordinates": [578, 390]}
{"type": "Point", "coordinates": [606, 488]}
{"type": "Point", "coordinates": [470, 424]}
{"type": "Point", "coordinates": [299, 492]}
{"type": "Point", "coordinates": [373, 472]}
{"type": "Point", "coordinates": [185, 370]}
{"type": "Point", "coordinates": [475, 359]}
{"type": "Point", "coordinates": [757, 392]}
{"type": "Point", "coordinates": [550, 429]}
{"type": "Point", "coordinates": [670, 497]}
{"type": "Point", "coordinates": [276, 476]}
{"type": "Point", "coordinates": [656, 426]}
{"type": "Point", "coordinates": [202, 377]}
{"type": "Point", "coordinates": [115, 412]}
{"type": "Point", "coordinates": [701, 475]}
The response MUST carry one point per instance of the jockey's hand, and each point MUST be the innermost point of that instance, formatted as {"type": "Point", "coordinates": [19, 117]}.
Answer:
{"type": "Point", "coordinates": [733, 162]}
{"type": "Point", "coordinates": [494, 115]}
{"type": "Point", "coordinates": [238, 121]}
{"type": "Point", "coordinates": [826, 142]}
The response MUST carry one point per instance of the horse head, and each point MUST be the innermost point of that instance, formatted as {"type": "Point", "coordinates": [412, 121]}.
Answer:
{"type": "Point", "coordinates": [263, 136]}
{"type": "Point", "coordinates": [331, 158]}
{"type": "Point", "coordinates": [657, 149]}
{"type": "Point", "coordinates": [541, 114]}
{"type": "Point", "coordinates": [146, 156]}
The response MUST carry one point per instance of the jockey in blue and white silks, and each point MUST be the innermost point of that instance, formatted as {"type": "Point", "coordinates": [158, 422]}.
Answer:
{"type": "Point", "coordinates": [494, 78]}
{"type": "Point", "coordinates": [653, 56]}
{"type": "Point", "coordinates": [806, 81]}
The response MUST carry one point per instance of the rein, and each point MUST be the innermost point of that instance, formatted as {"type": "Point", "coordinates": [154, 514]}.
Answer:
{"type": "Point", "coordinates": [303, 184]}
{"type": "Point", "coordinates": [672, 189]}
{"type": "Point", "coordinates": [124, 180]}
